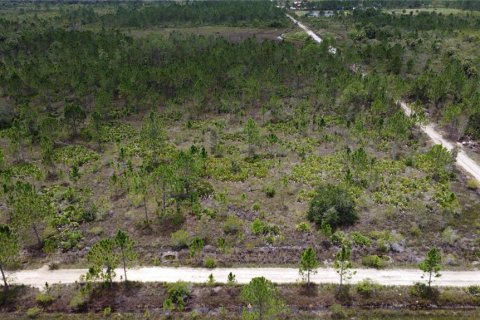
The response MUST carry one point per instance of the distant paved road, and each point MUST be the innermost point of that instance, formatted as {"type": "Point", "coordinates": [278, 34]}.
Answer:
{"type": "Point", "coordinates": [464, 162]}
{"type": "Point", "coordinates": [400, 277]}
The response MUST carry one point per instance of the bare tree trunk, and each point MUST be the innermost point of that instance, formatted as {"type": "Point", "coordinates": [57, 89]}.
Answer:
{"type": "Point", "coordinates": [164, 198]}
{"type": "Point", "coordinates": [39, 241]}
{"type": "Point", "coordinates": [124, 266]}
{"type": "Point", "coordinates": [146, 211]}
{"type": "Point", "coordinates": [5, 284]}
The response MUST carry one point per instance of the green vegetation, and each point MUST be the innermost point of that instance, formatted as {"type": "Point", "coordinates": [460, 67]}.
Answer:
{"type": "Point", "coordinates": [189, 134]}
{"type": "Point", "coordinates": [263, 296]}
{"type": "Point", "coordinates": [308, 263]}
{"type": "Point", "coordinates": [333, 206]}
{"type": "Point", "coordinates": [170, 135]}
{"type": "Point", "coordinates": [432, 265]}
{"type": "Point", "coordinates": [8, 251]}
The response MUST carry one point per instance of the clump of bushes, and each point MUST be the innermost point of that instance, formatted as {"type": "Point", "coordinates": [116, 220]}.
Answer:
{"type": "Point", "coordinates": [44, 299]}
{"type": "Point", "coordinates": [474, 290]}
{"type": "Point", "coordinates": [472, 184]}
{"type": "Point", "coordinates": [332, 205]}
{"type": "Point", "coordinates": [303, 227]}
{"type": "Point", "coordinates": [232, 225]}
{"type": "Point", "coordinates": [269, 191]}
{"type": "Point", "coordinates": [78, 303]}
{"type": "Point", "coordinates": [210, 263]}
{"type": "Point", "coordinates": [260, 227]}
{"type": "Point", "coordinates": [179, 239]}
{"type": "Point", "coordinates": [34, 312]}
{"type": "Point", "coordinates": [178, 294]}
{"type": "Point", "coordinates": [367, 287]}
{"type": "Point", "coordinates": [338, 312]}
{"type": "Point", "coordinates": [424, 291]}
{"type": "Point", "coordinates": [374, 261]}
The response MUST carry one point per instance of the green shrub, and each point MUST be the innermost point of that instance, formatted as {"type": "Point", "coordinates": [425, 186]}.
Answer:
{"type": "Point", "coordinates": [303, 227]}
{"type": "Point", "coordinates": [256, 206]}
{"type": "Point", "coordinates": [472, 184]}
{"type": "Point", "coordinates": [333, 205]}
{"type": "Point", "coordinates": [360, 240]}
{"type": "Point", "coordinates": [367, 287]}
{"type": "Point", "coordinates": [232, 225]}
{"type": "Point", "coordinates": [338, 312]}
{"type": "Point", "coordinates": [449, 235]}
{"type": "Point", "coordinates": [179, 239]}
{"type": "Point", "coordinates": [422, 290]}
{"type": "Point", "coordinates": [269, 191]}
{"type": "Point", "coordinates": [34, 312]}
{"type": "Point", "coordinates": [474, 290]}
{"type": "Point", "coordinates": [260, 227]}
{"type": "Point", "coordinates": [178, 293]}
{"type": "Point", "coordinates": [209, 263]}
{"type": "Point", "coordinates": [44, 299]}
{"type": "Point", "coordinates": [107, 311]}
{"type": "Point", "coordinates": [78, 302]}
{"type": "Point", "coordinates": [374, 261]}
{"type": "Point", "coordinates": [196, 246]}
{"type": "Point", "coordinates": [168, 305]}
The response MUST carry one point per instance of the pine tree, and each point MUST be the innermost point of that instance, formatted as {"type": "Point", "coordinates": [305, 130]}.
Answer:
{"type": "Point", "coordinates": [125, 245]}
{"type": "Point", "coordinates": [308, 263]}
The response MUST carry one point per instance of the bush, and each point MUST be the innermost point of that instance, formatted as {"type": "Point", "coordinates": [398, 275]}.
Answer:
{"type": "Point", "coordinates": [332, 205]}
{"type": "Point", "coordinates": [107, 311]}
{"type": "Point", "coordinates": [360, 240]}
{"type": "Point", "coordinates": [78, 302]}
{"type": "Point", "coordinates": [303, 227]}
{"type": "Point", "coordinates": [374, 261]}
{"type": "Point", "coordinates": [472, 184]}
{"type": "Point", "coordinates": [178, 293]}
{"type": "Point", "coordinates": [449, 235]}
{"type": "Point", "coordinates": [33, 312]}
{"type": "Point", "coordinates": [179, 239]}
{"type": "Point", "coordinates": [338, 312]}
{"type": "Point", "coordinates": [232, 225]}
{"type": "Point", "coordinates": [44, 299]}
{"type": "Point", "coordinates": [269, 191]}
{"type": "Point", "coordinates": [474, 290]}
{"type": "Point", "coordinates": [423, 291]}
{"type": "Point", "coordinates": [209, 263]}
{"type": "Point", "coordinates": [260, 227]}
{"type": "Point", "coordinates": [367, 287]}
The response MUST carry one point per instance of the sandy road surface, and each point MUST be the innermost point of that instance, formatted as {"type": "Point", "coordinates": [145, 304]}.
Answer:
{"type": "Point", "coordinates": [402, 277]}
{"type": "Point", "coordinates": [464, 162]}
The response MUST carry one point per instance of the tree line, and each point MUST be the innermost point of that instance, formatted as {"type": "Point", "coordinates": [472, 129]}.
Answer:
{"type": "Point", "coordinates": [194, 13]}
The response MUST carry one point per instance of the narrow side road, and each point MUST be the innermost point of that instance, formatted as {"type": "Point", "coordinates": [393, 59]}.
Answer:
{"type": "Point", "coordinates": [401, 277]}
{"type": "Point", "coordinates": [464, 162]}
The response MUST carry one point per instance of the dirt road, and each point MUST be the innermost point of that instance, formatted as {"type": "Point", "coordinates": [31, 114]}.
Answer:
{"type": "Point", "coordinates": [464, 162]}
{"type": "Point", "coordinates": [401, 277]}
